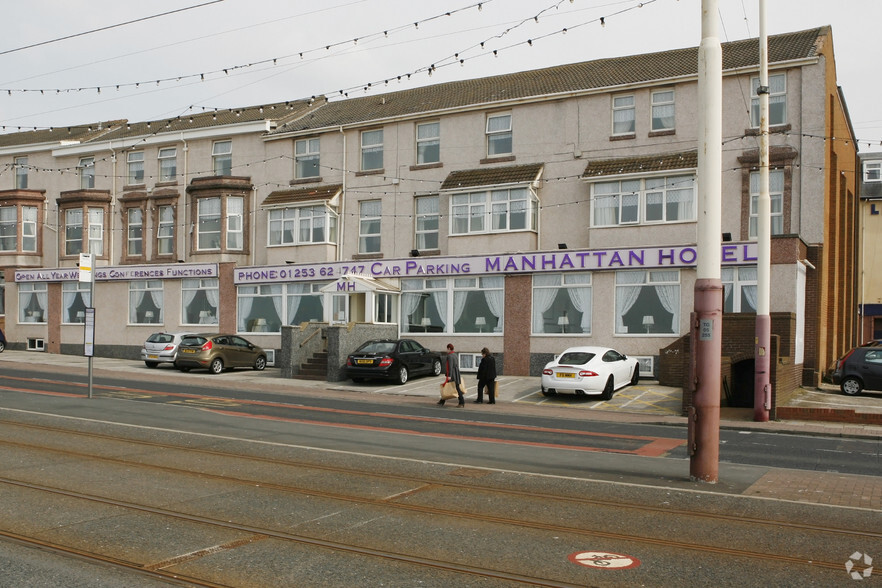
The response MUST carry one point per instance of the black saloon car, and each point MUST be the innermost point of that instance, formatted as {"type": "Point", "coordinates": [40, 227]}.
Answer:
{"type": "Point", "coordinates": [392, 360]}
{"type": "Point", "coordinates": [859, 369]}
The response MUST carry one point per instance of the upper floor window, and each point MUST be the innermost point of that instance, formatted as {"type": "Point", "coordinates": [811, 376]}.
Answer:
{"type": "Point", "coordinates": [208, 211]}
{"type": "Point", "coordinates": [428, 142]}
{"type": "Point", "coordinates": [21, 173]}
{"type": "Point", "coordinates": [776, 194]}
{"type": "Point", "coordinates": [643, 200]}
{"type": "Point", "coordinates": [302, 225]}
{"type": "Point", "coordinates": [494, 211]}
{"type": "Point", "coordinates": [235, 222]}
{"type": "Point", "coordinates": [86, 169]}
{"type": "Point", "coordinates": [222, 158]}
{"type": "Point", "coordinates": [165, 230]}
{"type": "Point", "coordinates": [777, 101]}
{"type": "Point", "coordinates": [135, 163]}
{"type": "Point", "coordinates": [369, 214]}
{"type": "Point", "coordinates": [14, 239]}
{"type": "Point", "coordinates": [873, 171]}
{"type": "Point", "coordinates": [372, 150]}
{"type": "Point", "coordinates": [134, 231]}
{"type": "Point", "coordinates": [427, 222]}
{"type": "Point", "coordinates": [168, 164]}
{"type": "Point", "coordinates": [84, 237]}
{"type": "Point", "coordinates": [663, 110]}
{"type": "Point", "coordinates": [220, 221]}
{"type": "Point", "coordinates": [8, 228]}
{"type": "Point", "coordinates": [623, 115]}
{"type": "Point", "coordinates": [739, 289]}
{"type": "Point", "coordinates": [306, 158]}
{"type": "Point", "coordinates": [499, 137]}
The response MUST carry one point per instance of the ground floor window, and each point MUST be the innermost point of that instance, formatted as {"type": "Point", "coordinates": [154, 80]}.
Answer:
{"type": "Point", "coordinates": [76, 297]}
{"type": "Point", "coordinates": [145, 302]}
{"type": "Point", "coordinates": [739, 289]}
{"type": "Point", "coordinates": [305, 303]}
{"type": "Point", "coordinates": [200, 301]}
{"type": "Point", "coordinates": [384, 308]}
{"type": "Point", "coordinates": [458, 305]}
{"type": "Point", "coordinates": [32, 300]}
{"type": "Point", "coordinates": [648, 302]}
{"type": "Point", "coordinates": [562, 303]}
{"type": "Point", "coordinates": [260, 309]}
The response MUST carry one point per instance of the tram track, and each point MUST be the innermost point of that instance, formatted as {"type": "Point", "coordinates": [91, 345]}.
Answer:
{"type": "Point", "coordinates": [419, 484]}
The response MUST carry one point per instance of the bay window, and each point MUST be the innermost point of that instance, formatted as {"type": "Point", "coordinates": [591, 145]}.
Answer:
{"type": "Point", "coordinates": [776, 194]}
{"type": "Point", "coordinates": [643, 201]}
{"type": "Point", "coordinates": [302, 225]}
{"type": "Point", "coordinates": [494, 211]}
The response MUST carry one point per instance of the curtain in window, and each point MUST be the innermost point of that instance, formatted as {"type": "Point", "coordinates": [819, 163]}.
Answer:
{"type": "Point", "coordinates": [543, 298]}
{"type": "Point", "coordinates": [748, 274]}
{"type": "Point", "coordinates": [245, 303]}
{"type": "Point", "coordinates": [495, 298]}
{"type": "Point", "coordinates": [606, 210]}
{"type": "Point", "coordinates": [663, 117]}
{"type": "Point", "coordinates": [581, 299]}
{"type": "Point", "coordinates": [440, 299]}
{"type": "Point", "coordinates": [68, 297]}
{"type": "Point", "coordinates": [627, 296]}
{"type": "Point", "coordinates": [670, 299]}
{"type": "Point", "coordinates": [409, 303]}
{"type": "Point", "coordinates": [295, 297]}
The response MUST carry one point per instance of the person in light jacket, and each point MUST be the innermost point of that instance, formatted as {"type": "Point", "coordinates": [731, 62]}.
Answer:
{"type": "Point", "coordinates": [486, 377]}
{"type": "Point", "coordinates": [451, 373]}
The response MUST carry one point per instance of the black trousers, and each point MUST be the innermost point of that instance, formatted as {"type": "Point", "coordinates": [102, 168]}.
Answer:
{"type": "Point", "coordinates": [491, 394]}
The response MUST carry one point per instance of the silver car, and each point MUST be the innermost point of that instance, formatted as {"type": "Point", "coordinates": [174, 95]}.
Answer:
{"type": "Point", "coordinates": [161, 348]}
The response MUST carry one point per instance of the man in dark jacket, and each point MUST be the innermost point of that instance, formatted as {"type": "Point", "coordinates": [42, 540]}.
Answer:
{"type": "Point", "coordinates": [486, 377]}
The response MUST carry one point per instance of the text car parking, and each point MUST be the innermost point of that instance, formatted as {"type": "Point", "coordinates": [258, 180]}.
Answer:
{"type": "Point", "coordinates": [589, 371]}
{"type": "Point", "coordinates": [217, 353]}
{"type": "Point", "coordinates": [392, 360]}
{"type": "Point", "coordinates": [858, 370]}
{"type": "Point", "coordinates": [161, 348]}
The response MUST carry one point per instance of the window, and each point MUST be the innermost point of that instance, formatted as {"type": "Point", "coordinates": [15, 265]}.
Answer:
{"type": "Point", "coordinates": [168, 164]}
{"type": "Point", "coordinates": [369, 212]}
{"type": "Point", "coordinates": [260, 309]}
{"type": "Point", "coordinates": [499, 137]}
{"type": "Point", "coordinates": [87, 173]}
{"type": "Point", "coordinates": [32, 301]}
{"type": "Point", "coordinates": [494, 211]}
{"type": "Point", "coordinates": [663, 110]}
{"type": "Point", "coordinates": [660, 200]}
{"type": "Point", "coordinates": [427, 222]}
{"type": "Point", "coordinates": [145, 302]}
{"type": "Point", "coordinates": [384, 308]}
{"type": "Point", "coordinates": [776, 194]}
{"type": "Point", "coordinates": [222, 158]}
{"type": "Point", "coordinates": [209, 224]}
{"type": "Point", "coordinates": [562, 303]}
{"type": "Point", "coordinates": [306, 158]}
{"type": "Point", "coordinates": [80, 238]}
{"type": "Point", "coordinates": [873, 171]}
{"type": "Point", "coordinates": [29, 228]}
{"type": "Point", "coordinates": [8, 228]}
{"type": "Point", "coordinates": [199, 301]}
{"type": "Point", "coordinates": [11, 217]}
{"type": "Point", "coordinates": [305, 302]}
{"type": "Point", "coordinates": [372, 150]}
{"type": "Point", "coordinates": [21, 173]}
{"type": "Point", "coordinates": [302, 225]}
{"type": "Point", "coordinates": [623, 115]}
{"type": "Point", "coordinates": [76, 297]}
{"type": "Point", "coordinates": [428, 140]}
{"type": "Point", "coordinates": [165, 230]}
{"type": "Point", "coordinates": [777, 101]}
{"type": "Point", "coordinates": [134, 231]}
{"type": "Point", "coordinates": [235, 222]}
{"type": "Point", "coordinates": [135, 162]}
{"type": "Point", "coordinates": [739, 289]}
{"type": "Point", "coordinates": [2, 294]}
{"type": "Point", "coordinates": [461, 305]}
{"type": "Point", "coordinates": [648, 302]}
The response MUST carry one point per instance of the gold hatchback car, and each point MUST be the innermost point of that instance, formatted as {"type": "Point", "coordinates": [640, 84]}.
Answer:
{"type": "Point", "coordinates": [217, 353]}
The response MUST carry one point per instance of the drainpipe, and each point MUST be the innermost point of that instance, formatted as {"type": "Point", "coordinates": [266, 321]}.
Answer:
{"type": "Point", "coordinates": [110, 259]}
{"type": "Point", "coordinates": [182, 237]}
{"type": "Point", "coordinates": [341, 218]}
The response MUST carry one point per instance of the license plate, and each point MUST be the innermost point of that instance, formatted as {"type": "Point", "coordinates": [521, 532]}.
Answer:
{"type": "Point", "coordinates": [188, 351]}
{"type": "Point", "coordinates": [564, 375]}
{"type": "Point", "coordinates": [153, 357]}
{"type": "Point", "coordinates": [364, 361]}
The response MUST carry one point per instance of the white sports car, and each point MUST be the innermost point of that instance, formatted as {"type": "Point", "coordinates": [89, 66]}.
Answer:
{"type": "Point", "coordinates": [589, 371]}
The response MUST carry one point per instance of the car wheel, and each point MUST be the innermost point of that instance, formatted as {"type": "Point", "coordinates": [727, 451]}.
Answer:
{"type": "Point", "coordinates": [436, 367]}
{"type": "Point", "coordinates": [402, 375]}
{"type": "Point", "coordinates": [2, 346]}
{"type": "Point", "coordinates": [851, 386]}
{"type": "Point", "coordinates": [260, 363]}
{"type": "Point", "coordinates": [608, 389]}
{"type": "Point", "coordinates": [636, 377]}
{"type": "Point", "coordinates": [151, 364]}
{"type": "Point", "coordinates": [216, 366]}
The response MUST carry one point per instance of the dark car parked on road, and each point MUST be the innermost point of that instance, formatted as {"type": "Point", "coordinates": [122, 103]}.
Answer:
{"type": "Point", "coordinates": [859, 369]}
{"type": "Point", "coordinates": [392, 360]}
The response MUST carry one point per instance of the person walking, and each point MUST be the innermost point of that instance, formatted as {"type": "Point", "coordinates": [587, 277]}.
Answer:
{"type": "Point", "coordinates": [486, 377]}
{"type": "Point", "coordinates": [451, 373]}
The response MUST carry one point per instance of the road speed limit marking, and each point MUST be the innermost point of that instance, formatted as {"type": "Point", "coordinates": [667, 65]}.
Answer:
{"type": "Point", "coordinates": [604, 560]}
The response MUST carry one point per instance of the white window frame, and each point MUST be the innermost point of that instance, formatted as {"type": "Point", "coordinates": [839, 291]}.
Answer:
{"type": "Point", "coordinates": [548, 290]}
{"type": "Point", "coordinates": [91, 225]}
{"type": "Point", "coordinates": [21, 173]}
{"type": "Point", "coordinates": [86, 168]}
{"type": "Point", "coordinates": [629, 279]}
{"type": "Point", "coordinates": [29, 215]}
{"type": "Point", "coordinates": [69, 293]}
{"type": "Point", "coordinates": [776, 195]}
{"type": "Point", "coordinates": [370, 225]}
{"type": "Point", "coordinates": [134, 231]}
{"type": "Point", "coordinates": [739, 283]}
{"type": "Point", "coordinates": [428, 142]}
{"type": "Point", "coordinates": [872, 171]}
{"type": "Point", "coordinates": [307, 158]}
{"type": "Point", "coordinates": [499, 130]}
{"type": "Point", "coordinates": [371, 145]}
{"type": "Point", "coordinates": [420, 299]}
{"type": "Point", "coordinates": [38, 293]}
{"type": "Point", "coordinates": [298, 225]}
{"type": "Point", "coordinates": [190, 289]}
{"type": "Point", "coordinates": [73, 246]}
{"type": "Point", "coordinates": [624, 113]}
{"type": "Point", "coordinates": [95, 218]}
{"type": "Point", "coordinates": [777, 101]}
{"type": "Point", "coordinates": [235, 222]}
{"type": "Point", "coordinates": [168, 164]}
{"type": "Point", "coordinates": [640, 193]}
{"type": "Point", "coordinates": [384, 308]}
{"type": "Point", "coordinates": [135, 167]}
{"type": "Point", "coordinates": [207, 215]}
{"type": "Point", "coordinates": [247, 296]}
{"type": "Point", "coordinates": [139, 290]}
{"type": "Point", "coordinates": [222, 157]}
{"type": "Point", "coordinates": [662, 101]}
{"type": "Point", "coordinates": [427, 222]}
{"type": "Point", "coordinates": [295, 295]}
{"type": "Point", "coordinates": [9, 228]}
{"type": "Point", "coordinates": [165, 230]}
{"type": "Point", "coordinates": [482, 211]}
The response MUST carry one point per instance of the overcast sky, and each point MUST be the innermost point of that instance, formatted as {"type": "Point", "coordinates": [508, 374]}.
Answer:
{"type": "Point", "coordinates": [395, 38]}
